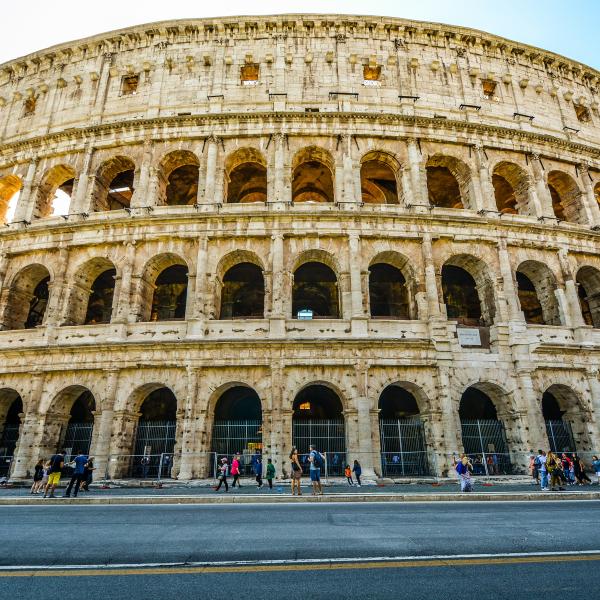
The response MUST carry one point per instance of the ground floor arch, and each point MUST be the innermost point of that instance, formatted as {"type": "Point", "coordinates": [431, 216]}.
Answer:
{"type": "Point", "coordinates": [11, 409]}
{"type": "Point", "coordinates": [401, 433]}
{"type": "Point", "coordinates": [318, 419]}
{"type": "Point", "coordinates": [79, 429]}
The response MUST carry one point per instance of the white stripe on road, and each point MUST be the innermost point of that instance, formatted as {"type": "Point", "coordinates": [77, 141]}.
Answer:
{"type": "Point", "coordinates": [300, 561]}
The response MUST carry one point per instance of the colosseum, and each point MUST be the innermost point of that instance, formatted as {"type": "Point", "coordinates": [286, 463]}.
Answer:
{"type": "Point", "coordinates": [242, 234]}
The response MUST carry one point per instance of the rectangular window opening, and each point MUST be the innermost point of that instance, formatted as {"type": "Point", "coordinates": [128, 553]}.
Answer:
{"type": "Point", "coordinates": [583, 114]}
{"type": "Point", "coordinates": [129, 85]}
{"type": "Point", "coordinates": [249, 74]}
{"type": "Point", "coordinates": [489, 88]}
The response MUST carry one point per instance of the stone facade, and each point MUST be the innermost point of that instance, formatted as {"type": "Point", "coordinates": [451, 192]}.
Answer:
{"type": "Point", "coordinates": [310, 103]}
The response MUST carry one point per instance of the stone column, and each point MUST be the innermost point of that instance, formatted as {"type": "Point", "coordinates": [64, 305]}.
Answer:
{"type": "Point", "coordinates": [98, 109]}
{"type": "Point", "coordinates": [278, 443]}
{"type": "Point", "coordinates": [59, 291]}
{"type": "Point", "coordinates": [189, 460]}
{"type": "Point", "coordinates": [433, 303]}
{"type": "Point", "coordinates": [572, 297]}
{"type": "Point", "coordinates": [282, 185]}
{"type": "Point", "coordinates": [418, 194]}
{"type": "Point", "coordinates": [348, 170]}
{"type": "Point", "coordinates": [358, 315]}
{"type": "Point", "coordinates": [510, 292]}
{"type": "Point", "coordinates": [142, 180]}
{"type": "Point", "coordinates": [196, 307]}
{"type": "Point", "coordinates": [24, 208]}
{"type": "Point", "coordinates": [278, 288]}
{"type": "Point", "coordinates": [485, 198]}
{"type": "Point", "coordinates": [529, 403]}
{"type": "Point", "coordinates": [450, 424]}
{"type": "Point", "coordinates": [3, 268]}
{"type": "Point", "coordinates": [122, 444]}
{"type": "Point", "coordinates": [124, 311]}
{"type": "Point", "coordinates": [590, 201]}
{"type": "Point", "coordinates": [210, 188]}
{"type": "Point", "coordinates": [594, 425]}
{"type": "Point", "coordinates": [81, 193]}
{"type": "Point", "coordinates": [542, 193]}
{"type": "Point", "coordinates": [365, 434]}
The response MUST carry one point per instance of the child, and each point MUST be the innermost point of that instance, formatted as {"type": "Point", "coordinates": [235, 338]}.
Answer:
{"type": "Point", "coordinates": [348, 474]}
{"type": "Point", "coordinates": [357, 469]}
{"type": "Point", "coordinates": [270, 473]}
{"type": "Point", "coordinates": [596, 467]}
{"type": "Point", "coordinates": [38, 477]}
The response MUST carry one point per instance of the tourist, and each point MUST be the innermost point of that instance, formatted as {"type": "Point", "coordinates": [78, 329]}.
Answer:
{"type": "Point", "coordinates": [145, 462]}
{"type": "Point", "coordinates": [596, 467]}
{"type": "Point", "coordinates": [57, 462]}
{"type": "Point", "coordinates": [316, 460]}
{"type": "Point", "coordinates": [38, 476]}
{"type": "Point", "coordinates": [534, 469]}
{"type": "Point", "coordinates": [348, 474]}
{"type": "Point", "coordinates": [296, 474]}
{"type": "Point", "coordinates": [464, 468]}
{"type": "Point", "coordinates": [222, 475]}
{"type": "Point", "coordinates": [235, 471]}
{"type": "Point", "coordinates": [88, 474]}
{"type": "Point", "coordinates": [357, 470]}
{"type": "Point", "coordinates": [79, 463]}
{"type": "Point", "coordinates": [258, 468]}
{"type": "Point", "coordinates": [567, 469]}
{"type": "Point", "coordinates": [270, 473]}
{"type": "Point", "coordinates": [542, 459]}
{"type": "Point", "coordinates": [554, 466]}
{"type": "Point", "coordinates": [579, 471]}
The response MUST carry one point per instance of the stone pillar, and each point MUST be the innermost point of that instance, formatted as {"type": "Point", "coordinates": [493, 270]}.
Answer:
{"type": "Point", "coordinates": [98, 109]}
{"type": "Point", "coordinates": [279, 444]}
{"type": "Point", "coordinates": [103, 424]}
{"type": "Point", "coordinates": [282, 185]}
{"type": "Point", "coordinates": [366, 454]}
{"type": "Point", "coordinates": [433, 303]}
{"type": "Point", "coordinates": [542, 193]}
{"type": "Point", "coordinates": [510, 292]}
{"type": "Point", "coordinates": [24, 208]}
{"type": "Point", "coordinates": [142, 184]}
{"type": "Point", "coordinates": [590, 201]}
{"type": "Point", "coordinates": [122, 444]}
{"type": "Point", "coordinates": [358, 315]}
{"type": "Point", "coordinates": [278, 288]}
{"type": "Point", "coordinates": [450, 422]}
{"type": "Point", "coordinates": [124, 311]}
{"type": "Point", "coordinates": [3, 269]}
{"type": "Point", "coordinates": [58, 291]}
{"type": "Point", "coordinates": [197, 297]}
{"type": "Point", "coordinates": [485, 198]}
{"type": "Point", "coordinates": [571, 295]}
{"type": "Point", "coordinates": [211, 187]}
{"type": "Point", "coordinates": [418, 194]}
{"type": "Point", "coordinates": [594, 424]}
{"type": "Point", "coordinates": [529, 403]}
{"type": "Point", "coordinates": [189, 459]}
{"type": "Point", "coordinates": [81, 193]}
{"type": "Point", "coordinates": [348, 171]}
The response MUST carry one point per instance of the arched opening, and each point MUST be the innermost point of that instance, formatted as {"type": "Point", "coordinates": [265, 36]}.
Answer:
{"type": "Point", "coordinates": [566, 422]}
{"type": "Point", "coordinates": [536, 288]}
{"type": "Point", "coordinates": [92, 292]}
{"type": "Point", "coordinates": [312, 176]}
{"type": "Point", "coordinates": [78, 433]}
{"type": "Point", "coordinates": [237, 427]}
{"type": "Point", "coordinates": [448, 182]}
{"type": "Point", "coordinates": [401, 433]}
{"type": "Point", "coordinates": [483, 434]}
{"type": "Point", "coordinates": [243, 292]}
{"type": "Point", "coordinates": [315, 289]}
{"type": "Point", "coordinates": [180, 171]}
{"type": "Point", "coordinates": [155, 435]}
{"type": "Point", "coordinates": [246, 177]}
{"type": "Point", "coordinates": [588, 290]}
{"type": "Point", "coordinates": [566, 198]}
{"type": "Point", "coordinates": [114, 184]}
{"type": "Point", "coordinates": [54, 192]}
{"type": "Point", "coordinates": [10, 188]}
{"type": "Point", "coordinates": [468, 291]}
{"type": "Point", "coordinates": [378, 181]}
{"type": "Point", "coordinates": [11, 407]}
{"type": "Point", "coordinates": [170, 294]}
{"type": "Point", "coordinates": [511, 189]}
{"type": "Point", "coordinates": [318, 419]}
{"type": "Point", "coordinates": [388, 292]}
{"type": "Point", "coordinates": [27, 298]}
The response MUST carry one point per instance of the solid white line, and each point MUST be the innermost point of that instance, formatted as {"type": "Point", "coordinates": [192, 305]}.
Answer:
{"type": "Point", "coordinates": [299, 561]}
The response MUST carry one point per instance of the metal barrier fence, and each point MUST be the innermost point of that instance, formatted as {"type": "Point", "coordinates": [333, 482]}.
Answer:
{"type": "Point", "coordinates": [232, 437]}
{"type": "Point", "coordinates": [5, 464]}
{"type": "Point", "coordinates": [78, 437]}
{"type": "Point", "coordinates": [560, 436]}
{"type": "Point", "coordinates": [405, 464]}
{"type": "Point", "coordinates": [329, 437]}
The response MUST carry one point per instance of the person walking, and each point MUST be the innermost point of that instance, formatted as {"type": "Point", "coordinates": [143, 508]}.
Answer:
{"type": "Point", "coordinates": [567, 468]}
{"type": "Point", "coordinates": [543, 467]}
{"type": "Point", "coordinates": [534, 469]}
{"type": "Point", "coordinates": [596, 467]}
{"type": "Point", "coordinates": [464, 468]}
{"type": "Point", "coordinates": [270, 473]}
{"type": "Point", "coordinates": [222, 475]}
{"type": "Point", "coordinates": [357, 470]}
{"type": "Point", "coordinates": [316, 460]}
{"type": "Point", "coordinates": [88, 474]}
{"type": "Point", "coordinates": [258, 468]}
{"type": "Point", "coordinates": [145, 463]}
{"type": "Point", "coordinates": [579, 471]}
{"type": "Point", "coordinates": [348, 474]}
{"type": "Point", "coordinates": [79, 463]}
{"type": "Point", "coordinates": [235, 471]}
{"type": "Point", "coordinates": [296, 474]}
{"type": "Point", "coordinates": [554, 466]}
{"type": "Point", "coordinates": [38, 475]}
{"type": "Point", "coordinates": [57, 462]}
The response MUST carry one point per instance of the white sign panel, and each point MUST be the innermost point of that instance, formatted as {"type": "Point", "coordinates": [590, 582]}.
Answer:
{"type": "Point", "coordinates": [468, 337]}
{"type": "Point", "coordinates": [305, 314]}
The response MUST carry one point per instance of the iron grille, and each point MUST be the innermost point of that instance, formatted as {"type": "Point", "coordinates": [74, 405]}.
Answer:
{"type": "Point", "coordinates": [403, 449]}
{"type": "Point", "coordinates": [153, 439]}
{"type": "Point", "coordinates": [328, 435]}
{"type": "Point", "coordinates": [78, 438]}
{"type": "Point", "coordinates": [560, 436]}
{"type": "Point", "coordinates": [237, 437]}
{"type": "Point", "coordinates": [484, 440]}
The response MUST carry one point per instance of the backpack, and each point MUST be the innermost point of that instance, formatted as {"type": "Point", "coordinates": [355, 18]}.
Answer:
{"type": "Point", "coordinates": [318, 460]}
{"type": "Point", "coordinates": [537, 462]}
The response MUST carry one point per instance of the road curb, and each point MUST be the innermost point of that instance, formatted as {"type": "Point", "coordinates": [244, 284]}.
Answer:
{"type": "Point", "coordinates": [288, 499]}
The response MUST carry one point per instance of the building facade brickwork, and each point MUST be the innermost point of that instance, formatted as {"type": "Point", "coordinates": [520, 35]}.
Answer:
{"type": "Point", "coordinates": [428, 192]}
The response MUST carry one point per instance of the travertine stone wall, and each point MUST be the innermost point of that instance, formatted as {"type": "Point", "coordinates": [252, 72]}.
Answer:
{"type": "Point", "coordinates": [63, 112]}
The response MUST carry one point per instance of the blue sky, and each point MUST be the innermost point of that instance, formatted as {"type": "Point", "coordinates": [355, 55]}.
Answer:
{"type": "Point", "coordinates": [564, 27]}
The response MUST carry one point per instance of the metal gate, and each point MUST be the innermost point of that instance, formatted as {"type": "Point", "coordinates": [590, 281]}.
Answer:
{"type": "Point", "coordinates": [8, 443]}
{"type": "Point", "coordinates": [78, 438]}
{"type": "Point", "coordinates": [403, 449]}
{"type": "Point", "coordinates": [237, 437]}
{"type": "Point", "coordinates": [328, 436]}
{"type": "Point", "coordinates": [484, 440]}
{"type": "Point", "coordinates": [560, 436]}
{"type": "Point", "coordinates": [153, 440]}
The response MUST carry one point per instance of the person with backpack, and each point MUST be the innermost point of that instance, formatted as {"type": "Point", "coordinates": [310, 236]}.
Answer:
{"type": "Point", "coordinates": [357, 470]}
{"type": "Point", "coordinates": [79, 463]}
{"type": "Point", "coordinates": [542, 459]}
{"type": "Point", "coordinates": [57, 462]}
{"type": "Point", "coordinates": [88, 474]}
{"type": "Point", "coordinates": [317, 461]}
{"type": "Point", "coordinates": [554, 466]}
{"type": "Point", "coordinates": [222, 472]}
{"type": "Point", "coordinates": [258, 469]}
{"type": "Point", "coordinates": [270, 473]}
{"type": "Point", "coordinates": [464, 469]}
{"type": "Point", "coordinates": [296, 474]}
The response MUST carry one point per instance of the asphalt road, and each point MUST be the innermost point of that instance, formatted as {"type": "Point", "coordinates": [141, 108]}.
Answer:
{"type": "Point", "coordinates": [138, 535]}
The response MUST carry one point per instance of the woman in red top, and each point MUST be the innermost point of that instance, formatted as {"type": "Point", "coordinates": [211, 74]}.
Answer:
{"type": "Point", "coordinates": [235, 470]}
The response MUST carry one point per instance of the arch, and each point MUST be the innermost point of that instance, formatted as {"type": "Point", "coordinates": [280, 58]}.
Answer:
{"type": "Point", "coordinates": [315, 288]}
{"type": "Point", "coordinates": [245, 176]}
{"type": "Point", "coordinates": [536, 287]}
{"type": "Point", "coordinates": [312, 175]}
{"type": "Point", "coordinates": [11, 407]}
{"type": "Point", "coordinates": [113, 187]}
{"type": "Point", "coordinates": [511, 185]}
{"type": "Point", "coordinates": [566, 198]}
{"type": "Point", "coordinates": [379, 178]}
{"type": "Point", "coordinates": [10, 188]}
{"type": "Point", "coordinates": [468, 291]}
{"type": "Point", "coordinates": [588, 291]}
{"type": "Point", "coordinates": [448, 182]}
{"type": "Point", "coordinates": [243, 292]}
{"type": "Point", "coordinates": [566, 419]}
{"type": "Point", "coordinates": [180, 172]}
{"type": "Point", "coordinates": [27, 298]}
{"type": "Point", "coordinates": [54, 192]}
{"type": "Point", "coordinates": [389, 292]}
{"type": "Point", "coordinates": [92, 293]}
{"type": "Point", "coordinates": [163, 288]}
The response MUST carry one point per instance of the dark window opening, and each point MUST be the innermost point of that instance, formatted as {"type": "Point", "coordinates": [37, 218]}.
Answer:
{"type": "Point", "coordinates": [397, 403]}
{"type": "Point", "coordinates": [182, 186]}
{"type": "Point", "coordinates": [461, 296]}
{"type": "Point", "coordinates": [529, 301]}
{"type": "Point", "coordinates": [388, 295]}
{"type": "Point", "coordinates": [557, 204]}
{"type": "Point", "coordinates": [238, 404]}
{"type": "Point", "coordinates": [315, 288]}
{"type": "Point", "coordinates": [249, 73]}
{"type": "Point", "coordinates": [170, 294]}
{"type": "Point", "coordinates": [489, 88]}
{"type": "Point", "coordinates": [243, 292]}
{"type": "Point", "coordinates": [159, 405]}
{"type": "Point", "coordinates": [506, 200]}
{"type": "Point", "coordinates": [475, 404]}
{"type": "Point", "coordinates": [583, 114]}
{"type": "Point", "coordinates": [120, 190]}
{"type": "Point", "coordinates": [443, 188]}
{"type": "Point", "coordinates": [551, 408]}
{"type": "Point", "coordinates": [312, 182]}
{"type": "Point", "coordinates": [247, 183]}
{"type": "Point", "coordinates": [83, 408]}
{"type": "Point", "coordinates": [378, 183]}
{"type": "Point", "coordinates": [99, 309]}
{"type": "Point", "coordinates": [317, 402]}
{"type": "Point", "coordinates": [38, 304]}
{"type": "Point", "coordinates": [129, 85]}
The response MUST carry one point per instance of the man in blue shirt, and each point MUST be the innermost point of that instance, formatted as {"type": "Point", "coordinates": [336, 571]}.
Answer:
{"type": "Point", "coordinates": [78, 474]}
{"type": "Point", "coordinates": [316, 460]}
